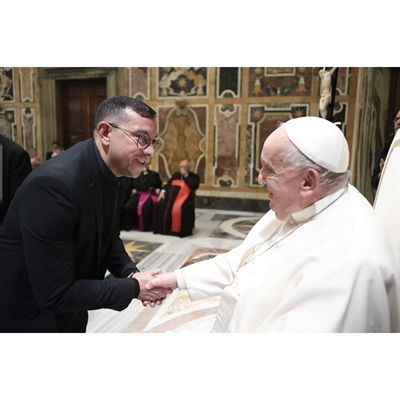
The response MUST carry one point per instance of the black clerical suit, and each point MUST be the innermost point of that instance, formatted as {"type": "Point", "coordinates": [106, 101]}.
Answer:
{"type": "Point", "coordinates": [15, 167]}
{"type": "Point", "coordinates": [58, 238]}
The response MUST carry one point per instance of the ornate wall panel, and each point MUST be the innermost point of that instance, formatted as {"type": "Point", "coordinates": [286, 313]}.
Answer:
{"type": "Point", "coordinates": [8, 125]}
{"type": "Point", "coordinates": [18, 86]}
{"type": "Point", "coordinates": [7, 84]}
{"type": "Point", "coordinates": [182, 129]}
{"type": "Point", "coordinates": [226, 145]}
{"type": "Point", "coordinates": [27, 89]}
{"type": "Point", "coordinates": [229, 82]}
{"type": "Point", "coordinates": [28, 123]}
{"type": "Point", "coordinates": [139, 83]}
{"type": "Point", "coordinates": [189, 82]}
{"type": "Point", "coordinates": [343, 81]}
{"type": "Point", "coordinates": [280, 81]}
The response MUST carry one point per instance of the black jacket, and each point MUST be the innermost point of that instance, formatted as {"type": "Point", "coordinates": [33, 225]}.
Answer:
{"type": "Point", "coordinates": [15, 167]}
{"type": "Point", "coordinates": [59, 238]}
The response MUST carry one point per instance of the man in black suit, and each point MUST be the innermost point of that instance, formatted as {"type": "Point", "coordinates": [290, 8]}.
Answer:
{"type": "Point", "coordinates": [61, 234]}
{"type": "Point", "coordinates": [15, 164]}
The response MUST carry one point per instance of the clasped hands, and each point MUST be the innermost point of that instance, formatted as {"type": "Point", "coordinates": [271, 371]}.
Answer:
{"type": "Point", "coordinates": [155, 285]}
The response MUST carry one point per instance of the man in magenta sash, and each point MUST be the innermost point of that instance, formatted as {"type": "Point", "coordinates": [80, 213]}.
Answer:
{"type": "Point", "coordinates": [140, 200]}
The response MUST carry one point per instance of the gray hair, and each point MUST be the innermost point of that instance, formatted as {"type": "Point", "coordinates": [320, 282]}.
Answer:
{"type": "Point", "coordinates": [330, 181]}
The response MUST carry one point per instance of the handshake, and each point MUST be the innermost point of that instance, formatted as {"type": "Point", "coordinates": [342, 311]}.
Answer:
{"type": "Point", "coordinates": [155, 285]}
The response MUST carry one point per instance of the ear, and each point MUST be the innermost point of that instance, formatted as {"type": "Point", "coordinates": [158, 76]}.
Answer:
{"type": "Point", "coordinates": [310, 182]}
{"type": "Point", "coordinates": [104, 132]}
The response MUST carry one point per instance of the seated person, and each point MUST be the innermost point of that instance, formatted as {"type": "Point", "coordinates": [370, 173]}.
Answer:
{"type": "Point", "coordinates": [319, 261]}
{"type": "Point", "coordinates": [175, 210]}
{"type": "Point", "coordinates": [140, 200]}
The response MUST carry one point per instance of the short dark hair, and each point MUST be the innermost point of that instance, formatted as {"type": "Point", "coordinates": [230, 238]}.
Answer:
{"type": "Point", "coordinates": [116, 107]}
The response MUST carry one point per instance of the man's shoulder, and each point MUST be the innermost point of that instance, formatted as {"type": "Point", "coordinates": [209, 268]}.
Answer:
{"type": "Point", "coordinates": [10, 146]}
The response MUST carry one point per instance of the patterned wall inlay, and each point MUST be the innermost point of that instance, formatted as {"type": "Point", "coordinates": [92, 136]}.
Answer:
{"type": "Point", "coordinates": [229, 82]}
{"type": "Point", "coordinates": [226, 148]}
{"type": "Point", "coordinates": [183, 130]}
{"type": "Point", "coordinates": [28, 121]}
{"type": "Point", "coordinates": [139, 78]}
{"type": "Point", "coordinates": [280, 81]}
{"type": "Point", "coordinates": [7, 84]}
{"type": "Point", "coordinates": [27, 89]}
{"type": "Point", "coordinates": [178, 81]}
{"type": "Point", "coordinates": [343, 81]}
{"type": "Point", "coordinates": [340, 116]}
{"type": "Point", "coordinates": [8, 126]}
{"type": "Point", "coordinates": [263, 120]}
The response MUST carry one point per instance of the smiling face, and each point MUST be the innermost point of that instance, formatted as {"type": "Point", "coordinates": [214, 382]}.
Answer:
{"type": "Point", "coordinates": [119, 149]}
{"type": "Point", "coordinates": [289, 190]}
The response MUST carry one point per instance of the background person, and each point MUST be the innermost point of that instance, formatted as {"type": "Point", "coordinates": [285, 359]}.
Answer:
{"type": "Point", "coordinates": [319, 261]}
{"type": "Point", "coordinates": [55, 150]}
{"type": "Point", "coordinates": [35, 162]}
{"type": "Point", "coordinates": [15, 167]}
{"type": "Point", "coordinates": [175, 210]}
{"type": "Point", "coordinates": [141, 199]}
{"type": "Point", "coordinates": [61, 234]}
{"type": "Point", "coordinates": [382, 154]}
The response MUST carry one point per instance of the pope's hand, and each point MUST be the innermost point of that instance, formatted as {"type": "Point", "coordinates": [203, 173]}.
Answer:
{"type": "Point", "coordinates": [165, 280]}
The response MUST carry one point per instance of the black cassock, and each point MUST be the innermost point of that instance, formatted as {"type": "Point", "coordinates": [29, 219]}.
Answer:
{"type": "Point", "coordinates": [138, 209]}
{"type": "Point", "coordinates": [175, 214]}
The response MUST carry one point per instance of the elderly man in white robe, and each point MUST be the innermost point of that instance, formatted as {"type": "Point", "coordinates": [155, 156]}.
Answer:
{"type": "Point", "coordinates": [319, 261]}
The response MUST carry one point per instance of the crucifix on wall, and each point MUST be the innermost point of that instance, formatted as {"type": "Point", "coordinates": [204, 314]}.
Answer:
{"type": "Point", "coordinates": [328, 90]}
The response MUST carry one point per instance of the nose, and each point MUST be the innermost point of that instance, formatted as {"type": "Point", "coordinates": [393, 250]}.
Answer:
{"type": "Point", "coordinates": [260, 179]}
{"type": "Point", "coordinates": [149, 150]}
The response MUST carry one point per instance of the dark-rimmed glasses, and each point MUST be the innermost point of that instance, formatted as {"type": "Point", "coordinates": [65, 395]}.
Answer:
{"type": "Point", "coordinates": [143, 140]}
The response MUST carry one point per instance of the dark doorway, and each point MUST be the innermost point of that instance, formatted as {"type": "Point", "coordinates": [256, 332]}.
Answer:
{"type": "Point", "coordinates": [79, 100]}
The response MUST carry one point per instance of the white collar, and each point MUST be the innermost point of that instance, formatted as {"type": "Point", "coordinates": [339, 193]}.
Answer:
{"type": "Point", "coordinates": [315, 208]}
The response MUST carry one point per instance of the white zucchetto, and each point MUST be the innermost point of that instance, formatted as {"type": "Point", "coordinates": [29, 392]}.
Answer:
{"type": "Point", "coordinates": [321, 141]}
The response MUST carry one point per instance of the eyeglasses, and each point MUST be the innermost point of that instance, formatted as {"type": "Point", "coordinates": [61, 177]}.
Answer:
{"type": "Point", "coordinates": [396, 119]}
{"type": "Point", "coordinates": [143, 140]}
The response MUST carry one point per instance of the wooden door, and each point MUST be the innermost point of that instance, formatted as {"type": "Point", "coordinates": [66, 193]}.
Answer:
{"type": "Point", "coordinates": [79, 100]}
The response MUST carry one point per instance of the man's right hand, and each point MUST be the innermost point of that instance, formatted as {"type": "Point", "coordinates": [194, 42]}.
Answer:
{"type": "Point", "coordinates": [164, 281]}
{"type": "Point", "coordinates": [151, 296]}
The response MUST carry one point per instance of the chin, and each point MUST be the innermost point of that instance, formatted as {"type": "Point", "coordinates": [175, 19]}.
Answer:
{"type": "Point", "coordinates": [132, 173]}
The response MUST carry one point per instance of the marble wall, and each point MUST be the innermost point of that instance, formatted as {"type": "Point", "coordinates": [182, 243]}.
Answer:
{"type": "Point", "coordinates": [218, 117]}
{"type": "Point", "coordinates": [19, 107]}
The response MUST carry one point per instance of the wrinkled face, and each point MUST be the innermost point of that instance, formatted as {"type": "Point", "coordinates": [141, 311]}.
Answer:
{"type": "Point", "coordinates": [396, 122]}
{"type": "Point", "coordinates": [282, 182]}
{"type": "Point", "coordinates": [123, 154]}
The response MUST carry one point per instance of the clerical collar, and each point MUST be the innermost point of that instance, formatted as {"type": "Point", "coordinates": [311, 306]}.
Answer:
{"type": "Point", "coordinates": [103, 167]}
{"type": "Point", "coordinates": [317, 207]}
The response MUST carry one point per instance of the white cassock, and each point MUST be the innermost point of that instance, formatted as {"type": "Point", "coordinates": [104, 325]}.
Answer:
{"type": "Point", "coordinates": [331, 269]}
{"type": "Point", "coordinates": [387, 199]}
